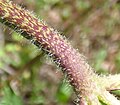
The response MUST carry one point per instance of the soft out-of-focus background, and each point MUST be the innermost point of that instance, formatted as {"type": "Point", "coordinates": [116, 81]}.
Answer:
{"type": "Point", "coordinates": [29, 77]}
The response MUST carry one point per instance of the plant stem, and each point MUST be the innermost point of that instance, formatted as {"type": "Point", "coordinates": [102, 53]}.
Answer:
{"type": "Point", "coordinates": [63, 54]}
{"type": "Point", "coordinates": [80, 74]}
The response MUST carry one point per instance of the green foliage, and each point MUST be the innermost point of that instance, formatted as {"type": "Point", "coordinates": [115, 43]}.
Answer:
{"type": "Point", "coordinates": [117, 62]}
{"type": "Point", "coordinates": [100, 57]}
{"type": "Point", "coordinates": [10, 98]}
{"type": "Point", "coordinates": [64, 93]}
{"type": "Point", "coordinates": [116, 92]}
{"type": "Point", "coordinates": [82, 5]}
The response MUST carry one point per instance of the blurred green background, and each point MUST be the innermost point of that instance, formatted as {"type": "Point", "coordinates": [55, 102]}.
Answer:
{"type": "Point", "coordinates": [29, 77]}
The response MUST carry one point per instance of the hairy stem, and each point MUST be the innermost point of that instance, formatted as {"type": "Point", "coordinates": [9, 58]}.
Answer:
{"type": "Point", "coordinates": [64, 55]}
{"type": "Point", "coordinates": [79, 73]}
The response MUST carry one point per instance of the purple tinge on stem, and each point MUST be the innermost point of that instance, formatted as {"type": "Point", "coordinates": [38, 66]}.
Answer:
{"type": "Point", "coordinates": [72, 63]}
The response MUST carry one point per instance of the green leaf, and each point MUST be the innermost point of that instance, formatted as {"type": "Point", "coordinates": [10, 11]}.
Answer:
{"type": "Point", "coordinates": [10, 98]}
{"type": "Point", "coordinates": [64, 93]}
